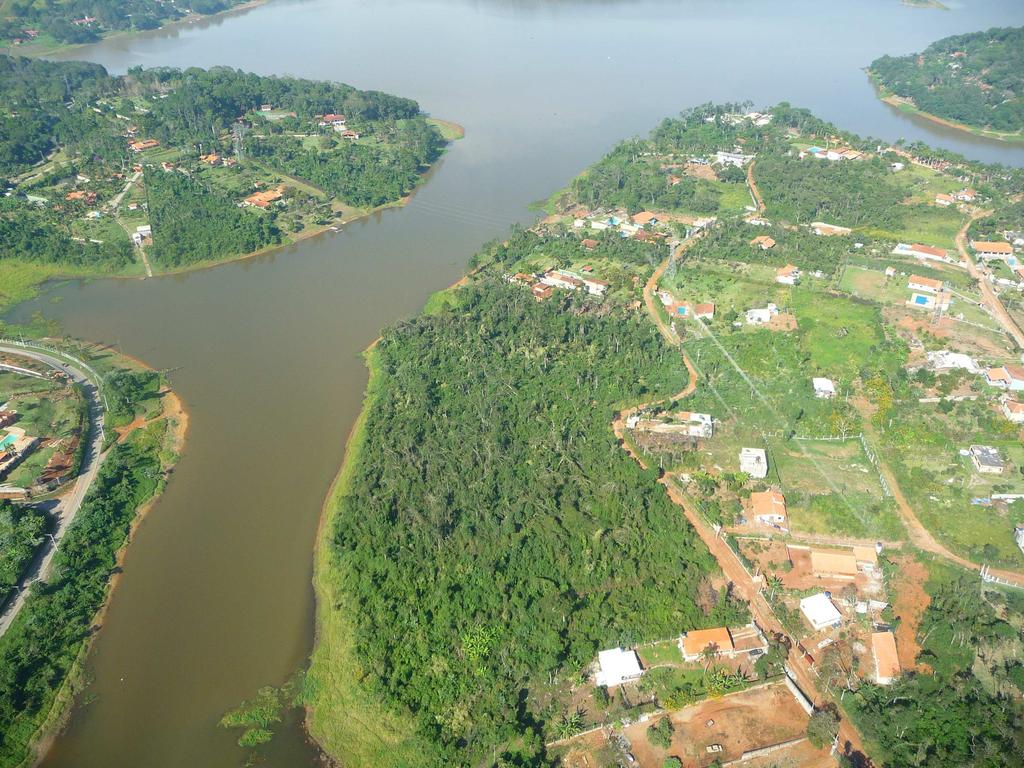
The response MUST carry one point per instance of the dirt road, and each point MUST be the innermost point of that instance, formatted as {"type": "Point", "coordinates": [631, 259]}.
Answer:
{"type": "Point", "coordinates": [988, 294]}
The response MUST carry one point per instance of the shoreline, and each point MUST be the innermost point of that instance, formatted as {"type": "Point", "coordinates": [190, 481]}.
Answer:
{"type": "Point", "coordinates": [269, 250]}
{"type": "Point", "coordinates": [353, 444]}
{"type": "Point", "coordinates": [176, 417]}
{"type": "Point", "coordinates": [61, 49]}
{"type": "Point", "coordinates": [907, 107]}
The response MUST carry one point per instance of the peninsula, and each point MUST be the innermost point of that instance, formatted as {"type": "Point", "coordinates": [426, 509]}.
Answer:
{"type": "Point", "coordinates": [163, 170]}
{"type": "Point", "coordinates": [720, 456]}
{"type": "Point", "coordinates": [974, 82]}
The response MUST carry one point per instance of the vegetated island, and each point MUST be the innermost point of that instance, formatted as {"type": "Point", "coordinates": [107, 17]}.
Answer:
{"type": "Point", "coordinates": [42, 28]}
{"type": "Point", "coordinates": [162, 170]}
{"type": "Point", "coordinates": [749, 328]}
{"type": "Point", "coordinates": [44, 643]}
{"type": "Point", "coordinates": [974, 82]}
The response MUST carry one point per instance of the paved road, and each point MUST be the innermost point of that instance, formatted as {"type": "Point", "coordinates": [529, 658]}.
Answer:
{"type": "Point", "coordinates": [68, 504]}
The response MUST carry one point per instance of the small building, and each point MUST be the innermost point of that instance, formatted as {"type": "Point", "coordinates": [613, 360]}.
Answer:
{"type": "Point", "coordinates": [769, 508]}
{"type": "Point", "coordinates": [595, 287]}
{"type": "Point", "coordinates": [697, 641]}
{"type": "Point", "coordinates": [616, 666]}
{"type": "Point", "coordinates": [541, 291]}
{"type": "Point", "coordinates": [820, 611]}
{"type": "Point", "coordinates": [944, 201]}
{"type": "Point", "coordinates": [829, 230]}
{"type": "Point", "coordinates": [987, 460]}
{"type": "Point", "coordinates": [1012, 409]}
{"type": "Point", "coordinates": [645, 218]}
{"type": "Point", "coordinates": [824, 388]}
{"type": "Point", "coordinates": [736, 159]}
{"type": "Point", "coordinates": [924, 284]}
{"type": "Point", "coordinates": [1018, 536]}
{"type": "Point", "coordinates": [787, 275]}
{"type": "Point", "coordinates": [762, 315]}
{"type": "Point", "coordinates": [142, 146]}
{"type": "Point", "coordinates": [944, 360]}
{"type": "Point", "coordinates": [754, 462]}
{"type": "Point", "coordinates": [764, 242]}
{"type": "Point", "coordinates": [833, 564]}
{"type": "Point", "coordinates": [966, 195]}
{"type": "Point", "coordinates": [996, 250]}
{"type": "Point", "coordinates": [887, 661]}
{"type": "Point", "coordinates": [1010, 377]}
{"type": "Point", "coordinates": [263, 199]}
{"type": "Point", "coordinates": [705, 311]}
{"type": "Point", "coordinates": [920, 251]}
{"type": "Point", "coordinates": [589, 244]}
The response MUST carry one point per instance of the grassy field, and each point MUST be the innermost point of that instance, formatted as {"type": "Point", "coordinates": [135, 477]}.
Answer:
{"type": "Point", "coordinates": [344, 717]}
{"type": "Point", "coordinates": [20, 280]}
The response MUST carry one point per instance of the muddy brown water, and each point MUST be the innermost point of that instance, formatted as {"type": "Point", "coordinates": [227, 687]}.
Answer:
{"type": "Point", "coordinates": [216, 597]}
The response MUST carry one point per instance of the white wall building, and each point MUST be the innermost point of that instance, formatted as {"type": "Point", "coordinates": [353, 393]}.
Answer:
{"type": "Point", "coordinates": [820, 612]}
{"type": "Point", "coordinates": [616, 666]}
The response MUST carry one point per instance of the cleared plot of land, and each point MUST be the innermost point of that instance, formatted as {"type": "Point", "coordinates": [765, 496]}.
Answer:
{"type": "Point", "coordinates": [744, 721]}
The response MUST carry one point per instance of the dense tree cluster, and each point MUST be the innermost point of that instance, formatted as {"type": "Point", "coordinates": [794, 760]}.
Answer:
{"type": "Point", "coordinates": [43, 642]}
{"type": "Point", "coordinates": [58, 18]}
{"type": "Point", "coordinates": [21, 531]}
{"type": "Point", "coordinates": [967, 710]}
{"type": "Point", "coordinates": [976, 79]}
{"type": "Point", "coordinates": [494, 532]}
{"type": "Point", "coordinates": [193, 224]}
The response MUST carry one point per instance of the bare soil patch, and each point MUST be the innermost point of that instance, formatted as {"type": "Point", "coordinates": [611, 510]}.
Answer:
{"type": "Point", "coordinates": [909, 603]}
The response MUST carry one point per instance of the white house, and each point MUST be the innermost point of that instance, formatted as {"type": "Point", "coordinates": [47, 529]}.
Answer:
{"type": "Point", "coordinates": [987, 460]}
{"type": "Point", "coordinates": [754, 461]}
{"type": "Point", "coordinates": [787, 275]}
{"type": "Point", "coordinates": [920, 251]}
{"type": "Point", "coordinates": [924, 284]}
{"type": "Point", "coordinates": [823, 388]}
{"type": "Point", "coordinates": [820, 612]}
{"type": "Point", "coordinates": [594, 287]}
{"type": "Point", "coordinates": [732, 158]}
{"type": "Point", "coordinates": [1009, 377]}
{"type": "Point", "coordinates": [997, 250]}
{"type": "Point", "coordinates": [760, 316]}
{"type": "Point", "coordinates": [1012, 409]}
{"type": "Point", "coordinates": [944, 360]}
{"type": "Point", "coordinates": [616, 666]}
{"type": "Point", "coordinates": [561, 280]}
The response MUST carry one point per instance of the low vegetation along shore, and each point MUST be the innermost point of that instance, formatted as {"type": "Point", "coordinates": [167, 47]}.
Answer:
{"type": "Point", "coordinates": [43, 648]}
{"type": "Point", "coordinates": [801, 340]}
{"type": "Point", "coordinates": [162, 170]}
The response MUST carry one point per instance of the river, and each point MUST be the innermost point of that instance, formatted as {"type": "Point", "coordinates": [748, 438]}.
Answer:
{"type": "Point", "coordinates": [216, 600]}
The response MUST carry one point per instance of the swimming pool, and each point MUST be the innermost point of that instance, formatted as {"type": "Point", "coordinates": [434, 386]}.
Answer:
{"type": "Point", "coordinates": [6, 441]}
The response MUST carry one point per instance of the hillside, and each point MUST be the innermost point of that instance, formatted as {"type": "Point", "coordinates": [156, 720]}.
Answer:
{"type": "Point", "coordinates": [976, 79]}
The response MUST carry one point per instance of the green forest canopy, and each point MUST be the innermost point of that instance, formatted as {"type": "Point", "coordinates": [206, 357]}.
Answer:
{"type": "Point", "coordinates": [976, 79]}
{"type": "Point", "coordinates": [494, 532]}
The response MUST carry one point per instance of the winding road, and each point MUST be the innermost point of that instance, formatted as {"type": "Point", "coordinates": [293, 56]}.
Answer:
{"type": "Point", "coordinates": [68, 504]}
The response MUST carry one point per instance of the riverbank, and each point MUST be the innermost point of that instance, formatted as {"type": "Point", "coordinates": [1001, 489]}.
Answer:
{"type": "Point", "coordinates": [42, 50]}
{"type": "Point", "coordinates": [20, 281]}
{"type": "Point", "coordinates": [907, 107]}
{"type": "Point", "coordinates": [140, 461]}
{"type": "Point", "coordinates": [342, 717]}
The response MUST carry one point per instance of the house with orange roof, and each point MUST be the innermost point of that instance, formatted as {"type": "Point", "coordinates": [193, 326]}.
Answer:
{"type": "Point", "coordinates": [589, 244]}
{"type": "Point", "coordinates": [787, 275]}
{"type": "Point", "coordinates": [264, 199]}
{"type": "Point", "coordinates": [697, 641]}
{"type": "Point", "coordinates": [966, 195]}
{"type": "Point", "coordinates": [764, 242]}
{"type": "Point", "coordinates": [926, 284]}
{"type": "Point", "coordinates": [644, 218]}
{"type": "Point", "coordinates": [1009, 377]}
{"type": "Point", "coordinates": [704, 311]}
{"type": "Point", "coordinates": [944, 201]}
{"type": "Point", "coordinates": [211, 159]}
{"type": "Point", "coordinates": [996, 250]}
{"type": "Point", "coordinates": [141, 146]}
{"type": "Point", "coordinates": [921, 251]}
{"type": "Point", "coordinates": [833, 564]}
{"type": "Point", "coordinates": [887, 661]}
{"type": "Point", "coordinates": [768, 508]}
{"type": "Point", "coordinates": [1012, 409]}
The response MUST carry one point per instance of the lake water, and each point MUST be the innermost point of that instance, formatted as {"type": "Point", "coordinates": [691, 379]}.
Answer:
{"type": "Point", "coordinates": [216, 597]}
